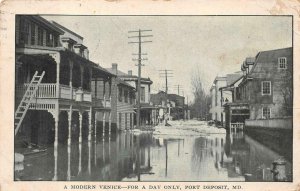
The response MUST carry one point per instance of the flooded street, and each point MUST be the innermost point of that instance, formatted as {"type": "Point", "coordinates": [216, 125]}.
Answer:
{"type": "Point", "coordinates": [185, 151]}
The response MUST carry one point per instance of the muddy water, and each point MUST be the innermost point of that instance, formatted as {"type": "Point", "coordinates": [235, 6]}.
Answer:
{"type": "Point", "coordinates": [127, 156]}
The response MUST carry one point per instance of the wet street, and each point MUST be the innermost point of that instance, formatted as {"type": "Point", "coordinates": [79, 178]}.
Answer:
{"type": "Point", "coordinates": [185, 151]}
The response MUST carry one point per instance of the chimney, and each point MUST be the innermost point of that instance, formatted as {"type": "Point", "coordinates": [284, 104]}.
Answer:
{"type": "Point", "coordinates": [115, 68]}
{"type": "Point", "coordinates": [130, 72]}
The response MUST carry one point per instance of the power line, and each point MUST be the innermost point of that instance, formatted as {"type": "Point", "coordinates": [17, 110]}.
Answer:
{"type": "Point", "coordinates": [139, 59]}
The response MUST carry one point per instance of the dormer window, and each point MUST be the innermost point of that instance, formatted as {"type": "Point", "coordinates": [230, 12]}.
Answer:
{"type": "Point", "coordinates": [282, 63]}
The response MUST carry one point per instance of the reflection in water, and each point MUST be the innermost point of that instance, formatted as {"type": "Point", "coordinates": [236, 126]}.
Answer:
{"type": "Point", "coordinates": [145, 157]}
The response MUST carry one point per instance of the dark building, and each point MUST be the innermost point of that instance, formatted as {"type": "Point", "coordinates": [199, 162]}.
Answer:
{"type": "Point", "coordinates": [265, 90]}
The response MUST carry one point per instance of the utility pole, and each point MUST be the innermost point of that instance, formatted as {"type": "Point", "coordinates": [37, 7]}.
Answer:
{"type": "Point", "coordinates": [165, 74]}
{"type": "Point", "coordinates": [178, 87]}
{"type": "Point", "coordinates": [140, 59]}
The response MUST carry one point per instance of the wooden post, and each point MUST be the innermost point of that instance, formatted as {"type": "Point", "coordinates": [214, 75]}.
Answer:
{"type": "Point", "coordinates": [95, 139]}
{"type": "Point", "coordinates": [71, 79]}
{"type": "Point", "coordinates": [109, 125]}
{"type": "Point", "coordinates": [80, 141]}
{"type": "Point", "coordinates": [104, 93]}
{"type": "Point", "coordinates": [95, 128]}
{"type": "Point", "coordinates": [69, 141]}
{"type": "Point", "coordinates": [103, 124]}
{"type": "Point", "coordinates": [56, 118]}
{"type": "Point", "coordinates": [90, 124]}
{"type": "Point", "coordinates": [81, 76]}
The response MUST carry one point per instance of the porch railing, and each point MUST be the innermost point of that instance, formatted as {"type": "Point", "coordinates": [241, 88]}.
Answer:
{"type": "Point", "coordinates": [45, 90]}
{"type": "Point", "coordinates": [101, 102]}
{"type": "Point", "coordinates": [237, 125]}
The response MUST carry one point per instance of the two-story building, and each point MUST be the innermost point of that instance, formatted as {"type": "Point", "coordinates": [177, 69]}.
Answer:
{"type": "Point", "coordinates": [216, 108]}
{"type": "Point", "coordinates": [123, 106]}
{"type": "Point", "coordinates": [148, 111]}
{"type": "Point", "coordinates": [53, 84]}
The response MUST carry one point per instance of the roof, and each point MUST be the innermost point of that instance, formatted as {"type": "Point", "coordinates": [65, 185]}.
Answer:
{"type": "Point", "coordinates": [113, 71]}
{"type": "Point", "coordinates": [79, 58]}
{"type": "Point", "coordinates": [122, 82]}
{"type": "Point", "coordinates": [268, 55]}
{"type": "Point", "coordinates": [68, 30]}
{"type": "Point", "coordinates": [220, 78]}
{"type": "Point", "coordinates": [127, 77]}
{"type": "Point", "coordinates": [46, 23]}
{"type": "Point", "coordinates": [233, 78]}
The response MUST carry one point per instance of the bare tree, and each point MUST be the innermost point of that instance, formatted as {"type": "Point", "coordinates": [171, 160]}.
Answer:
{"type": "Point", "coordinates": [200, 106]}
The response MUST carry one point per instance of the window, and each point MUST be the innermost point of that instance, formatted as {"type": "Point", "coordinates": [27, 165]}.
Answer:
{"type": "Point", "coordinates": [282, 63]}
{"type": "Point", "coordinates": [142, 94]}
{"type": "Point", "coordinates": [120, 94]}
{"type": "Point", "coordinates": [266, 113]}
{"type": "Point", "coordinates": [266, 88]}
{"type": "Point", "coordinates": [130, 98]}
{"type": "Point", "coordinates": [24, 36]}
{"type": "Point", "coordinates": [40, 36]}
{"type": "Point", "coordinates": [126, 96]}
{"type": "Point", "coordinates": [49, 39]}
{"type": "Point", "coordinates": [32, 34]}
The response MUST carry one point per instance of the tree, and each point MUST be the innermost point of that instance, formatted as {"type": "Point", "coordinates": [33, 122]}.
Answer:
{"type": "Point", "coordinates": [200, 106]}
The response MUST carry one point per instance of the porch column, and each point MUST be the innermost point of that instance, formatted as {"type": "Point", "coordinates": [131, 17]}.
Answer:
{"type": "Point", "coordinates": [132, 119]}
{"type": "Point", "coordinates": [110, 89]}
{"type": "Point", "coordinates": [80, 141]}
{"type": "Point", "coordinates": [56, 118]}
{"type": "Point", "coordinates": [95, 128]}
{"type": "Point", "coordinates": [103, 130]}
{"type": "Point", "coordinates": [69, 141]}
{"type": "Point", "coordinates": [91, 77]}
{"type": "Point", "coordinates": [71, 79]}
{"type": "Point", "coordinates": [103, 138]}
{"type": "Point", "coordinates": [96, 87]}
{"type": "Point", "coordinates": [81, 76]}
{"type": "Point", "coordinates": [56, 57]}
{"type": "Point", "coordinates": [109, 124]}
{"type": "Point", "coordinates": [104, 92]}
{"type": "Point", "coordinates": [90, 124]}
{"type": "Point", "coordinates": [95, 139]}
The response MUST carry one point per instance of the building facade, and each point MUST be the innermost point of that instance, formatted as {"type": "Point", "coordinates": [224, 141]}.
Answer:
{"type": "Point", "coordinates": [266, 89]}
{"type": "Point", "coordinates": [54, 97]}
{"type": "Point", "coordinates": [148, 111]}
{"type": "Point", "coordinates": [216, 108]}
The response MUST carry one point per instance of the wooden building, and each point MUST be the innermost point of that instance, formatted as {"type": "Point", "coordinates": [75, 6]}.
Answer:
{"type": "Point", "coordinates": [54, 98]}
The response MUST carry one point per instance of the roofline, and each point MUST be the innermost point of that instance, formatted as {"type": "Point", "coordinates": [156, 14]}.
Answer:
{"type": "Point", "coordinates": [38, 18]}
{"type": "Point", "coordinates": [236, 80]}
{"type": "Point", "coordinates": [259, 53]}
{"type": "Point", "coordinates": [68, 30]}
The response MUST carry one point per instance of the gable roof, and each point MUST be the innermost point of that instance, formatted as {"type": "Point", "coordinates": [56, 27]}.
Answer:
{"type": "Point", "coordinates": [233, 78]}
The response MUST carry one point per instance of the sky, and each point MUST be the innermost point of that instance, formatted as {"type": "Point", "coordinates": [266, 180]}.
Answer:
{"type": "Point", "coordinates": [207, 46]}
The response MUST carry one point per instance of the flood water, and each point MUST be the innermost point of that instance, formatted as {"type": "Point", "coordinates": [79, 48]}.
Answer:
{"type": "Point", "coordinates": [131, 156]}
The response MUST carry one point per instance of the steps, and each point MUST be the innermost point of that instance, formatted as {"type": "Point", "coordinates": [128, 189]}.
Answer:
{"type": "Point", "coordinates": [27, 99]}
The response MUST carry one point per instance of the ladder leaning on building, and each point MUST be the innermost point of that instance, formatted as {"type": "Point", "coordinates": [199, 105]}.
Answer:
{"type": "Point", "coordinates": [27, 99]}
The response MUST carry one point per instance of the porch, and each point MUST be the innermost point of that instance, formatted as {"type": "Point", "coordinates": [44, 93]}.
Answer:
{"type": "Point", "coordinates": [235, 116]}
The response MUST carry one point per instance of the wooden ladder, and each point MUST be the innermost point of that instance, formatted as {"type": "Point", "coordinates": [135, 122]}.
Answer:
{"type": "Point", "coordinates": [27, 99]}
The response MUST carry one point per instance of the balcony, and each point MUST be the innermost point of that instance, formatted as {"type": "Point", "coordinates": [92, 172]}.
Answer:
{"type": "Point", "coordinates": [49, 91]}
{"type": "Point", "coordinates": [101, 103]}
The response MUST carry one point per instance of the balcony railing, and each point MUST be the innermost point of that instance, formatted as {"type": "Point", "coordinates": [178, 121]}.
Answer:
{"type": "Point", "coordinates": [101, 102]}
{"type": "Point", "coordinates": [49, 90]}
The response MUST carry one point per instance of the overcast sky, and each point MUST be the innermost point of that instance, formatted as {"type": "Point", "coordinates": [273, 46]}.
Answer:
{"type": "Point", "coordinates": [212, 45]}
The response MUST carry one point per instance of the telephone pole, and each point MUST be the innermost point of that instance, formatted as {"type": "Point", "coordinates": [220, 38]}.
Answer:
{"type": "Point", "coordinates": [140, 59]}
{"type": "Point", "coordinates": [166, 74]}
{"type": "Point", "coordinates": [178, 87]}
